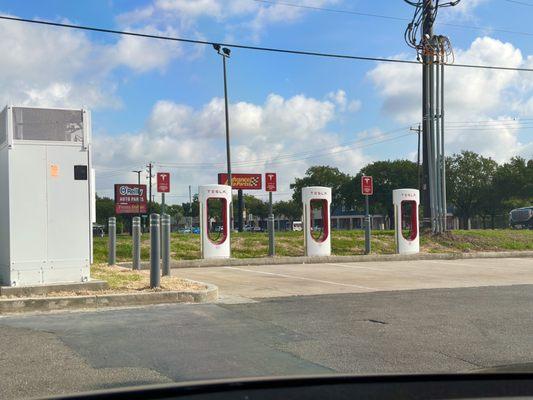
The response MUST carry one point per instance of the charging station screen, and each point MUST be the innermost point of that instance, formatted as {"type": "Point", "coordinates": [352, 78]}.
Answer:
{"type": "Point", "coordinates": [409, 225]}
{"type": "Point", "coordinates": [217, 231]}
{"type": "Point", "coordinates": [319, 219]}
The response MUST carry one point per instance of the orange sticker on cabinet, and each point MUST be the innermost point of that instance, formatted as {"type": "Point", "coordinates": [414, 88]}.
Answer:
{"type": "Point", "coordinates": [54, 170]}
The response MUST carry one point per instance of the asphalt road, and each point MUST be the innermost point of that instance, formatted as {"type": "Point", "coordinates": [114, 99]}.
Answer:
{"type": "Point", "coordinates": [459, 329]}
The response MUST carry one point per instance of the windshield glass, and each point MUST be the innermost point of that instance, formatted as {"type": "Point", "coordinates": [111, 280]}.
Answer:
{"type": "Point", "coordinates": [194, 190]}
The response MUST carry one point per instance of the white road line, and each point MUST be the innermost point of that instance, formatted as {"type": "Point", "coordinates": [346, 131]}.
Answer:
{"type": "Point", "coordinates": [358, 267]}
{"type": "Point", "coordinates": [451, 262]}
{"type": "Point", "coordinates": [489, 265]}
{"type": "Point", "coordinates": [302, 278]}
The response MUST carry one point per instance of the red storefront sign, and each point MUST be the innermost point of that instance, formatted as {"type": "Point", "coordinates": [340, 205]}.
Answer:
{"type": "Point", "coordinates": [367, 185]}
{"type": "Point", "coordinates": [270, 182]}
{"type": "Point", "coordinates": [242, 181]}
{"type": "Point", "coordinates": [163, 182]}
{"type": "Point", "coordinates": [130, 199]}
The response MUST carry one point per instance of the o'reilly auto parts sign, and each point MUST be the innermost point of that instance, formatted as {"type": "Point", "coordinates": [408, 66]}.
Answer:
{"type": "Point", "coordinates": [130, 199]}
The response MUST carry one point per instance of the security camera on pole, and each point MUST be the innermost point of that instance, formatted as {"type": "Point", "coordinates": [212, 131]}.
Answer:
{"type": "Point", "coordinates": [367, 189]}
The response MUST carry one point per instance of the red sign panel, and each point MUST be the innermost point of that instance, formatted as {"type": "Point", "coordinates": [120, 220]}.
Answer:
{"type": "Point", "coordinates": [163, 182]}
{"type": "Point", "coordinates": [130, 199]}
{"type": "Point", "coordinates": [270, 182]}
{"type": "Point", "coordinates": [242, 181]}
{"type": "Point", "coordinates": [367, 185]}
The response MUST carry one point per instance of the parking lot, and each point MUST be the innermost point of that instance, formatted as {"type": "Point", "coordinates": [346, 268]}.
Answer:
{"type": "Point", "coordinates": [311, 279]}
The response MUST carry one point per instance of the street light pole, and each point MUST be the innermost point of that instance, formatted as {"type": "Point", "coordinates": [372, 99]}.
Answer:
{"type": "Point", "coordinates": [225, 53]}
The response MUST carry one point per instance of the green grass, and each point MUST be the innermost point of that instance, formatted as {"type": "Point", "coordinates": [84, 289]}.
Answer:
{"type": "Point", "coordinates": [116, 279]}
{"type": "Point", "coordinates": [249, 244]}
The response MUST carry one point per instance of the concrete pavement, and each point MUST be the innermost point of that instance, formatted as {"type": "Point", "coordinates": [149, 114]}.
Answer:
{"type": "Point", "coordinates": [354, 318]}
{"type": "Point", "coordinates": [438, 330]}
{"type": "Point", "coordinates": [264, 281]}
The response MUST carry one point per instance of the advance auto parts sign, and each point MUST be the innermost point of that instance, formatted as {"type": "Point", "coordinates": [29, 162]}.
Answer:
{"type": "Point", "coordinates": [130, 199]}
{"type": "Point", "coordinates": [242, 181]}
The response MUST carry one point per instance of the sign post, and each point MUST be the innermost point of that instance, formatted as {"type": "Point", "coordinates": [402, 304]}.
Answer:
{"type": "Point", "coordinates": [367, 189]}
{"type": "Point", "coordinates": [270, 186]}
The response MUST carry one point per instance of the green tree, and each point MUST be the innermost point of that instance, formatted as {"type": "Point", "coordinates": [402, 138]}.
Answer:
{"type": "Point", "coordinates": [514, 183]}
{"type": "Point", "coordinates": [255, 206]}
{"type": "Point", "coordinates": [193, 207]}
{"type": "Point", "coordinates": [322, 175]}
{"type": "Point", "coordinates": [105, 208]}
{"type": "Point", "coordinates": [291, 209]}
{"type": "Point", "coordinates": [469, 179]}
{"type": "Point", "coordinates": [387, 175]}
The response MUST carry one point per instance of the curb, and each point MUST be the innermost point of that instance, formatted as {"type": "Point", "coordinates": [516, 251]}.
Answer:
{"type": "Point", "coordinates": [224, 262]}
{"type": "Point", "coordinates": [42, 289]}
{"type": "Point", "coordinates": [33, 304]}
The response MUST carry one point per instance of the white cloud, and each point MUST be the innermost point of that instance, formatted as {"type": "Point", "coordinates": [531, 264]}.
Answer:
{"type": "Point", "coordinates": [52, 67]}
{"type": "Point", "coordinates": [143, 54]}
{"type": "Point", "coordinates": [462, 11]}
{"type": "Point", "coordinates": [470, 95]}
{"type": "Point", "coordinates": [251, 17]}
{"type": "Point", "coordinates": [47, 66]}
{"type": "Point", "coordinates": [291, 128]}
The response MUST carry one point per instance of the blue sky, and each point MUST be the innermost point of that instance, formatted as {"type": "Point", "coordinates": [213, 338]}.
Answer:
{"type": "Point", "coordinates": [160, 102]}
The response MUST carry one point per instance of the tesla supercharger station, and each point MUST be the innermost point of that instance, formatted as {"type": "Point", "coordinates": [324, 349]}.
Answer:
{"type": "Point", "coordinates": [406, 203]}
{"type": "Point", "coordinates": [215, 206]}
{"type": "Point", "coordinates": [46, 196]}
{"type": "Point", "coordinates": [316, 220]}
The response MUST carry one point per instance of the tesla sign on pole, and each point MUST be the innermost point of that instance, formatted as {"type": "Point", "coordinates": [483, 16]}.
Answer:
{"type": "Point", "coordinates": [270, 186]}
{"type": "Point", "coordinates": [367, 185]}
{"type": "Point", "coordinates": [163, 182]}
{"type": "Point", "coordinates": [270, 182]}
{"type": "Point", "coordinates": [367, 188]}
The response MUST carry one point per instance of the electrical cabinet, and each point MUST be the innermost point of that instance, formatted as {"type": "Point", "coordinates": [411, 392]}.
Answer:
{"type": "Point", "coordinates": [46, 196]}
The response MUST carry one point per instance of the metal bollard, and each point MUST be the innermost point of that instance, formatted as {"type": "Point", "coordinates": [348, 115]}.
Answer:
{"type": "Point", "coordinates": [165, 244]}
{"type": "Point", "coordinates": [112, 241]}
{"type": "Point", "coordinates": [271, 242]}
{"type": "Point", "coordinates": [136, 250]}
{"type": "Point", "coordinates": [155, 273]}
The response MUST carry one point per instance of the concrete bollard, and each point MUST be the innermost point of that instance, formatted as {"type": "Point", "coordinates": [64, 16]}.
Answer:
{"type": "Point", "coordinates": [136, 249]}
{"type": "Point", "coordinates": [155, 272]}
{"type": "Point", "coordinates": [112, 241]}
{"type": "Point", "coordinates": [165, 244]}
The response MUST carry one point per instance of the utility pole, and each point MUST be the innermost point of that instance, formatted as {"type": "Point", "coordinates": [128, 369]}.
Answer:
{"type": "Point", "coordinates": [418, 131]}
{"type": "Point", "coordinates": [150, 176]}
{"type": "Point", "coordinates": [427, 34]}
{"type": "Point", "coordinates": [138, 172]}
{"type": "Point", "coordinates": [190, 209]}
{"type": "Point", "coordinates": [434, 51]}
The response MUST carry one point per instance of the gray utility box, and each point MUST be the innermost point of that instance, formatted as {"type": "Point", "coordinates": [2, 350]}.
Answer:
{"type": "Point", "coordinates": [46, 196]}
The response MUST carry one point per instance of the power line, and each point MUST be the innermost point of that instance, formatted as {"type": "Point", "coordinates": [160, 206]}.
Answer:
{"type": "Point", "coordinates": [292, 155]}
{"type": "Point", "coordinates": [333, 10]}
{"type": "Point", "coordinates": [519, 2]}
{"type": "Point", "coordinates": [400, 19]}
{"type": "Point", "coordinates": [256, 48]}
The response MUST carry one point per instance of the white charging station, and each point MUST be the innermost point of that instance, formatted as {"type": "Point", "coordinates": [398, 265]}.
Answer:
{"type": "Point", "coordinates": [215, 206]}
{"type": "Point", "coordinates": [407, 233]}
{"type": "Point", "coordinates": [316, 220]}
{"type": "Point", "coordinates": [46, 196]}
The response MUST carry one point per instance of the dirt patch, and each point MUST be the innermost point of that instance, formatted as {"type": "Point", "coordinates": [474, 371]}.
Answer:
{"type": "Point", "coordinates": [124, 280]}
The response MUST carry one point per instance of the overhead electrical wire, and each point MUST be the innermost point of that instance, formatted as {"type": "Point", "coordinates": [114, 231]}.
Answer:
{"type": "Point", "coordinates": [248, 47]}
{"type": "Point", "coordinates": [522, 3]}
{"type": "Point", "coordinates": [390, 17]}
